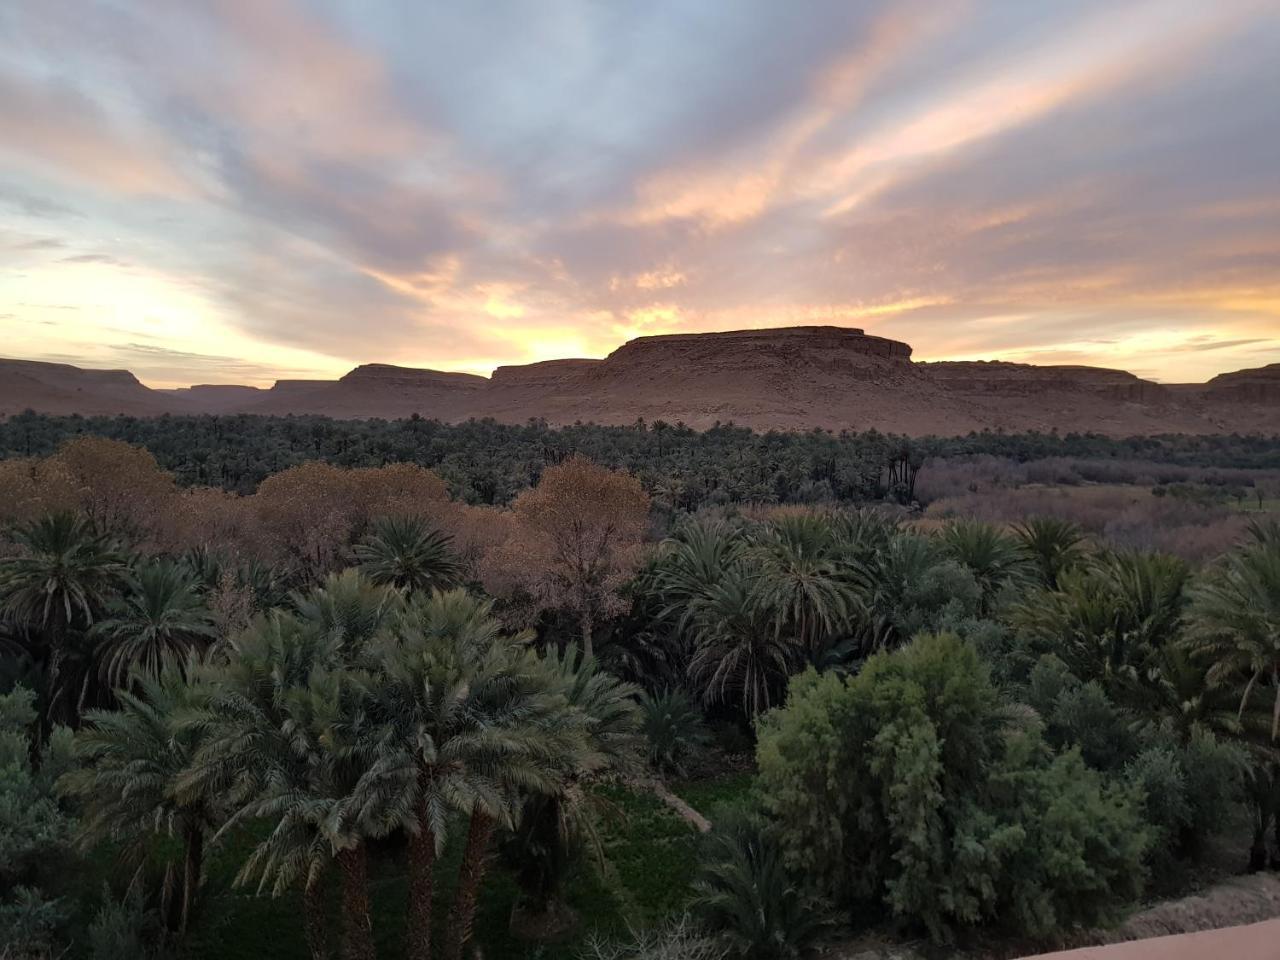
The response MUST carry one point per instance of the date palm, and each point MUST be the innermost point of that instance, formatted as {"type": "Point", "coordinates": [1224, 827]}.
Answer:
{"type": "Point", "coordinates": [739, 654]}
{"type": "Point", "coordinates": [406, 552]}
{"type": "Point", "coordinates": [1052, 545]}
{"type": "Point", "coordinates": [1109, 618]}
{"type": "Point", "coordinates": [286, 742]}
{"type": "Point", "coordinates": [992, 556]}
{"type": "Point", "coordinates": [160, 617]}
{"type": "Point", "coordinates": [57, 585]}
{"type": "Point", "coordinates": [468, 716]}
{"type": "Point", "coordinates": [803, 583]}
{"type": "Point", "coordinates": [1235, 615]}
{"type": "Point", "coordinates": [553, 825]}
{"type": "Point", "coordinates": [132, 759]}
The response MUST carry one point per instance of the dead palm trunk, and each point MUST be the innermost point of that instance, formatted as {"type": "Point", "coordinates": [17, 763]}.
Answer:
{"type": "Point", "coordinates": [357, 925]}
{"type": "Point", "coordinates": [313, 920]}
{"type": "Point", "coordinates": [475, 858]}
{"type": "Point", "coordinates": [422, 861]}
{"type": "Point", "coordinates": [587, 625]}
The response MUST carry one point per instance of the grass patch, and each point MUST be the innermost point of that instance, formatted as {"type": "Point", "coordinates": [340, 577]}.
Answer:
{"type": "Point", "coordinates": [706, 795]}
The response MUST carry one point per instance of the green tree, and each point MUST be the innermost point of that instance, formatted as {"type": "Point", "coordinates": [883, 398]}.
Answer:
{"type": "Point", "coordinates": [555, 827]}
{"type": "Point", "coordinates": [1236, 618]}
{"type": "Point", "coordinates": [56, 586]}
{"type": "Point", "coordinates": [1052, 545]}
{"type": "Point", "coordinates": [993, 557]}
{"type": "Point", "coordinates": [745, 893]}
{"type": "Point", "coordinates": [160, 616]}
{"type": "Point", "coordinates": [286, 741]}
{"type": "Point", "coordinates": [463, 708]}
{"type": "Point", "coordinates": [905, 787]}
{"type": "Point", "coordinates": [131, 761]}
{"type": "Point", "coordinates": [406, 552]}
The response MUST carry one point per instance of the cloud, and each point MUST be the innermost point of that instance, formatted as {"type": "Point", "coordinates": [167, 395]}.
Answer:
{"type": "Point", "coordinates": [102, 258]}
{"type": "Point", "coordinates": [462, 187]}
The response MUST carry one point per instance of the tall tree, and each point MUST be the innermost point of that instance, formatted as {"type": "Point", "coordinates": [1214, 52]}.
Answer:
{"type": "Point", "coordinates": [132, 761]}
{"type": "Point", "coordinates": [286, 742]}
{"type": "Point", "coordinates": [466, 712]}
{"type": "Point", "coordinates": [582, 526]}
{"type": "Point", "coordinates": [58, 585]}
{"type": "Point", "coordinates": [1236, 616]}
{"type": "Point", "coordinates": [160, 616]}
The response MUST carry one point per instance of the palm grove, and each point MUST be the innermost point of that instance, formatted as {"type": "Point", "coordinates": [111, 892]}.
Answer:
{"type": "Point", "coordinates": [348, 675]}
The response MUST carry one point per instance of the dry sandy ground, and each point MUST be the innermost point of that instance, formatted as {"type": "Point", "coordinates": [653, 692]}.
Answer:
{"type": "Point", "coordinates": [1257, 941]}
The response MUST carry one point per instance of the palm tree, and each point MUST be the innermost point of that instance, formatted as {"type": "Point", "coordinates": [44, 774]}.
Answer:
{"type": "Point", "coordinates": [739, 654]}
{"type": "Point", "coordinates": [994, 558]}
{"type": "Point", "coordinates": [1052, 545]}
{"type": "Point", "coordinates": [470, 715]}
{"type": "Point", "coordinates": [552, 825]}
{"type": "Point", "coordinates": [284, 742]}
{"type": "Point", "coordinates": [160, 617]}
{"type": "Point", "coordinates": [132, 760]}
{"type": "Point", "coordinates": [1235, 615]}
{"type": "Point", "coordinates": [287, 742]}
{"type": "Point", "coordinates": [745, 894]}
{"type": "Point", "coordinates": [1109, 618]}
{"type": "Point", "coordinates": [60, 582]}
{"type": "Point", "coordinates": [405, 552]}
{"type": "Point", "coordinates": [803, 582]}
{"type": "Point", "coordinates": [350, 608]}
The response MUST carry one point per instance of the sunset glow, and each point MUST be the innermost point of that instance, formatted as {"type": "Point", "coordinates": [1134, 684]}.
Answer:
{"type": "Point", "coordinates": [235, 191]}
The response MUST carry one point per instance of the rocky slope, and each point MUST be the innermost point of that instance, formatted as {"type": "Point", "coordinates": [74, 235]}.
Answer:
{"type": "Point", "coordinates": [789, 378]}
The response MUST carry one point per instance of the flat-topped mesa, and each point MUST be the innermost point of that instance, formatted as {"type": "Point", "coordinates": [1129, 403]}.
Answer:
{"type": "Point", "coordinates": [1256, 385]}
{"type": "Point", "coordinates": [1025, 379]}
{"type": "Point", "coordinates": [389, 375]}
{"type": "Point", "coordinates": [790, 340]}
{"type": "Point", "coordinates": [66, 375]}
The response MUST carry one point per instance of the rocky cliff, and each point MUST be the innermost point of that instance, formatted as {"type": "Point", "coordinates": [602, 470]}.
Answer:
{"type": "Point", "coordinates": [1259, 385]}
{"type": "Point", "coordinates": [788, 378]}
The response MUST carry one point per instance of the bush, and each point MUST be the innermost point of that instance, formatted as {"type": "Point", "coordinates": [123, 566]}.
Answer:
{"type": "Point", "coordinates": [906, 787]}
{"type": "Point", "coordinates": [745, 894]}
{"type": "Point", "coordinates": [674, 729]}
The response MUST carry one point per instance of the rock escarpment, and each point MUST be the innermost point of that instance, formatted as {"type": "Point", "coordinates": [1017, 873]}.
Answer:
{"type": "Point", "coordinates": [790, 378]}
{"type": "Point", "coordinates": [1258, 385]}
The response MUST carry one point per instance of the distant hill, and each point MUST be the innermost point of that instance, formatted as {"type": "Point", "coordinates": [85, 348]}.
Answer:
{"type": "Point", "coordinates": [791, 378]}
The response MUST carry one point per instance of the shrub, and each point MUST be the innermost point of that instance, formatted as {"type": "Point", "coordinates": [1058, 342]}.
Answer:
{"type": "Point", "coordinates": [747, 896]}
{"type": "Point", "coordinates": [906, 787]}
{"type": "Point", "coordinates": [674, 729]}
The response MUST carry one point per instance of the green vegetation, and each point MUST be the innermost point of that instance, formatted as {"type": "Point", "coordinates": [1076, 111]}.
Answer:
{"type": "Point", "coordinates": [348, 715]}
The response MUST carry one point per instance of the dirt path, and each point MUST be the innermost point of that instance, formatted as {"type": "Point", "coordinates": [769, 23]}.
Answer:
{"type": "Point", "coordinates": [1257, 941]}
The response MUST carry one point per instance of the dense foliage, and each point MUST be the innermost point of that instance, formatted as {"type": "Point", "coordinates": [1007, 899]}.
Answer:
{"type": "Point", "coordinates": [358, 693]}
{"type": "Point", "coordinates": [487, 462]}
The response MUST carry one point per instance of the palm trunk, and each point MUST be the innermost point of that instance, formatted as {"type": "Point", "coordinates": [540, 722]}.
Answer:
{"type": "Point", "coordinates": [192, 867]}
{"type": "Point", "coordinates": [422, 861]}
{"type": "Point", "coordinates": [357, 925]}
{"type": "Point", "coordinates": [475, 858]}
{"type": "Point", "coordinates": [313, 920]}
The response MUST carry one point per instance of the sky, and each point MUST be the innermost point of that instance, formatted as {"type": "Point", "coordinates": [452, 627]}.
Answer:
{"type": "Point", "coordinates": [231, 191]}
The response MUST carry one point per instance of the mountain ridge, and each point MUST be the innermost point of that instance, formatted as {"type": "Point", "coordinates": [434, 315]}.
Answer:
{"type": "Point", "coordinates": [789, 378]}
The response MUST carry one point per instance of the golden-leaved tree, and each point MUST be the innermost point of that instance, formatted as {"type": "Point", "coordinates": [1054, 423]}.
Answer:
{"type": "Point", "coordinates": [576, 541]}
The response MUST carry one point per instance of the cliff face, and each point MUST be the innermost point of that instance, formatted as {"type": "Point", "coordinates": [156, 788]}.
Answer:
{"type": "Point", "coordinates": [792, 378]}
{"type": "Point", "coordinates": [998, 378]}
{"type": "Point", "coordinates": [62, 388]}
{"type": "Point", "coordinates": [1258, 385]}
